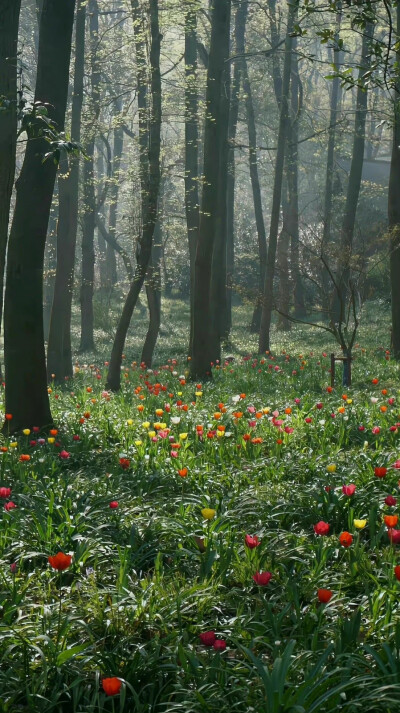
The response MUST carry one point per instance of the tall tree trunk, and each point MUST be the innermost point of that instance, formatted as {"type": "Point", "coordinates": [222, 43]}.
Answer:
{"type": "Point", "coordinates": [218, 287]}
{"type": "Point", "coordinates": [50, 267]}
{"type": "Point", "coordinates": [191, 145]}
{"type": "Point", "coordinates": [240, 27]}
{"type": "Point", "coordinates": [59, 353]}
{"type": "Point", "coordinates": [328, 202]}
{"type": "Point", "coordinates": [9, 13]}
{"type": "Point", "coordinates": [150, 198]}
{"type": "Point", "coordinates": [293, 189]}
{"type": "Point", "coordinates": [255, 181]}
{"type": "Point", "coordinates": [268, 300]}
{"type": "Point", "coordinates": [89, 198]}
{"type": "Point", "coordinates": [282, 259]}
{"type": "Point", "coordinates": [118, 144]}
{"type": "Point", "coordinates": [153, 293]}
{"type": "Point", "coordinates": [340, 293]}
{"type": "Point", "coordinates": [213, 133]}
{"type": "Point", "coordinates": [394, 207]}
{"type": "Point", "coordinates": [25, 364]}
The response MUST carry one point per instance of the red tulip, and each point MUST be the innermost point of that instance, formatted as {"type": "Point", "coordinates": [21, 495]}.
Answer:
{"type": "Point", "coordinates": [207, 638]}
{"type": "Point", "coordinates": [346, 539]}
{"type": "Point", "coordinates": [114, 504]}
{"type": "Point", "coordinates": [390, 501]}
{"type": "Point", "coordinates": [397, 572]}
{"type": "Point", "coordinates": [262, 578]}
{"type": "Point", "coordinates": [5, 492]}
{"type": "Point", "coordinates": [9, 506]}
{"type": "Point", "coordinates": [324, 595]}
{"type": "Point", "coordinates": [219, 645]}
{"type": "Point", "coordinates": [252, 542]}
{"type": "Point", "coordinates": [60, 561]}
{"type": "Point", "coordinates": [64, 455]}
{"type": "Point", "coordinates": [321, 528]}
{"type": "Point", "coordinates": [111, 686]}
{"type": "Point", "coordinates": [349, 489]}
{"type": "Point", "coordinates": [380, 472]}
{"type": "Point", "coordinates": [394, 536]}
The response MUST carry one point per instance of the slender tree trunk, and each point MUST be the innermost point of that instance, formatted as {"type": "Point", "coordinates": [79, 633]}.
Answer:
{"type": "Point", "coordinates": [240, 26]}
{"type": "Point", "coordinates": [118, 144]}
{"type": "Point", "coordinates": [201, 353]}
{"type": "Point", "coordinates": [268, 301]}
{"type": "Point", "coordinates": [394, 209]}
{"type": "Point", "coordinates": [191, 145]}
{"type": "Point", "coordinates": [293, 190]}
{"type": "Point", "coordinates": [89, 198]}
{"type": "Point", "coordinates": [218, 287]}
{"type": "Point", "coordinates": [59, 353]}
{"type": "Point", "coordinates": [50, 267]}
{"type": "Point", "coordinates": [340, 294]}
{"type": "Point", "coordinates": [153, 293]}
{"type": "Point", "coordinates": [25, 364]}
{"type": "Point", "coordinates": [255, 181]}
{"type": "Point", "coordinates": [283, 323]}
{"type": "Point", "coordinates": [151, 197]}
{"type": "Point", "coordinates": [9, 13]}
{"type": "Point", "coordinates": [328, 202]}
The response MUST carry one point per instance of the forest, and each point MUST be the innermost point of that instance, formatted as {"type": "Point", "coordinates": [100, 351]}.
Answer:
{"type": "Point", "coordinates": [199, 356]}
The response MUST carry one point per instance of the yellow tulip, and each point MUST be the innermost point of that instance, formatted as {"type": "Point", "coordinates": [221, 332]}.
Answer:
{"type": "Point", "coordinates": [360, 524]}
{"type": "Point", "coordinates": [138, 443]}
{"type": "Point", "coordinates": [129, 422]}
{"type": "Point", "coordinates": [26, 431]}
{"type": "Point", "coordinates": [13, 444]}
{"type": "Point", "coordinates": [152, 434]}
{"type": "Point", "coordinates": [331, 468]}
{"type": "Point", "coordinates": [51, 440]}
{"type": "Point", "coordinates": [208, 513]}
{"type": "Point", "coordinates": [146, 424]}
{"type": "Point", "coordinates": [199, 393]}
{"type": "Point", "coordinates": [183, 436]}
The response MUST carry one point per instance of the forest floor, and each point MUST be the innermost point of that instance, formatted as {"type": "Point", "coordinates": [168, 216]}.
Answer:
{"type": "Point", "coordinates": [229, 546]}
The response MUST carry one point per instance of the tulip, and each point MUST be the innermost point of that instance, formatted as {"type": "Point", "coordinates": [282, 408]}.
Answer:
{"type": "Point", "coordinates": [262, 578]}
{"type": "Point", "coordinates": [60, 561]}
{"type": "Point", "coordinates": [390, 501]}
{"type": "Point", "coordinates": [207, 638]}
{"type": "Point", "coordinates": [397, 572]}
{"type": "Point", "coordinates": [219, 645]}
{"type": "Point", "coordinates": [111, 686]}
{"type": "Point", "coordinates": [114, 504]}
{"type": "Point", "coordinates": [5, 492]}
{"type": "Point", "coordinates": [391, 521]}
{"type": "Point", "coordinates": [346, 539]}
{"type": "Point", "coordinates": [331, 468]}
{"type": "Point", "coordinates": [252, 542]}
{"type": "Point", "coordinates": [324, 595]}
{"type": "Point", "coordinates": [380, 472]}
{"type": "Point", "coordinates": [9, 506]}
{"type": "Point", "coordinates": [321, 528]}
{"type": "Point", "coordinates": [360, 524]}
{"type": "Point", "coordinates": [394, 536]}
{"type": "Point", "coordinates": [208, 513]}
{"type": "Point", "coordinates": [349, 489]}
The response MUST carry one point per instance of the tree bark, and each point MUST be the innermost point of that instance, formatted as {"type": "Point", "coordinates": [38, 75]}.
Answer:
{"type": "Point", "coordinates": [191, 146]}
{"type": "Point", "coordinates": [328, 202]}
{"type": "Point", "coordinates": [240, 27]}
{"type": "Point", "coordinates": [89, 199]}
{"type": "Point", "coordinates": [59, 352]}
{"type": "Point", "coordinates": [9, 13]}
{"type": "Point", "coordinates": [25, 364]}
{"type": "Point", "coordinates": [340, 293]}
{"type": "Point", "coordinates": [118, 144]}
{"type": "Point", "coordinates": [150, 202]}
{"type": "Point", "coordinates": [153, 293]}
{"type": "Point", "coordinates": [394, 209]}
{"type": "Point", "coordinates": [293, 189]}
{"type": "Point", "coordinates": [201, 352]}
{"type": "Point", "coordinates": [268, 299]}
{"type": "Point", "coordinates": [283, 323]}
{"type": "Point", "coordinates": [255, 181]}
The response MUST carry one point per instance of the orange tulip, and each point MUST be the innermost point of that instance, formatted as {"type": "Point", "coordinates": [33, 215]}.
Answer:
{"type": "Point", "coordinates": [60, 561]}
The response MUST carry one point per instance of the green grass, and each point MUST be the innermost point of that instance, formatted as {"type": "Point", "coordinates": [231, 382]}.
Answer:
{"type": "Point", "coordinates": [149, 576]}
